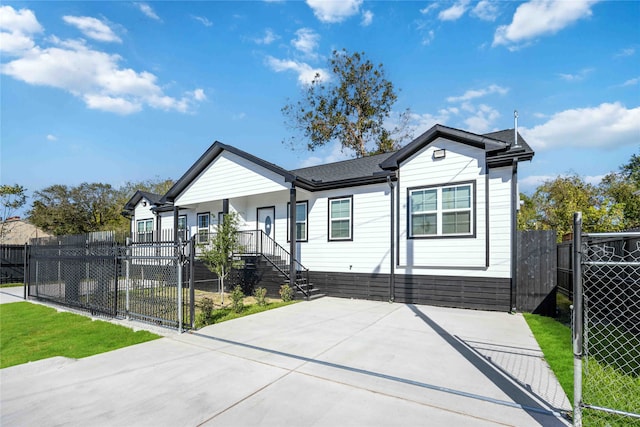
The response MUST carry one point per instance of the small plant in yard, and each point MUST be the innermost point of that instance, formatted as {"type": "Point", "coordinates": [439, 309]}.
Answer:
{"type": "Point", "coordinates": [237, 298]}
{"type": "Point", "coordinates": [286, 293]}
{"type": "Point", "coordinates": [260, 295]}
{"type": "Point", "coordinates": [206, 312]}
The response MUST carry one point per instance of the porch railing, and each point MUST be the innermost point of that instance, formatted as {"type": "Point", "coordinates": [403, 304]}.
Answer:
{"type": "Point", "coordinates": [256, 242]}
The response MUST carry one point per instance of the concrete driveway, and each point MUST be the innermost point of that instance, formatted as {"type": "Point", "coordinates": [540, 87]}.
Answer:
{"type": "Point", "coordinates": [329, 362]}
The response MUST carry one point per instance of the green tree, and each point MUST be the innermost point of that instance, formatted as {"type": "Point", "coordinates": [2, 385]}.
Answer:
{"type": "Point", "coordinates": [556, 200]}
{"type": "Point", "coordinates": [218, 255]}
{"type": "Point", "coordinates": [12, 198]}
{"type": "Point", "coordinates": [351, 106]}
{"type": "Point", "coordinates": [528, 218]}
{"type": "Point", "coordinates": [623, 188]}
{"type": "Point", "coordinates": [60, 209]}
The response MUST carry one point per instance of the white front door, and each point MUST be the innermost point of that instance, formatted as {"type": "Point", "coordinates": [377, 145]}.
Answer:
{"type": "Point", "coordinates": [266, 224]}
{"type": "Point", "coordinates": [266, 221]}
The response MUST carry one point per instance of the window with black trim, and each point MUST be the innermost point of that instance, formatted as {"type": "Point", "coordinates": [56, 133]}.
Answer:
{"type": "Point", "coordinates": [182, 227]}
{"type": "Point", "coordinates": [203, 227]}
{"type": "Point", "coordinates": [341, 218]}
{"type": "Point", "coordinates": [441, 211]}
{"type": "Point", "coordinates": [145, 230]}
{"type": "Point", "coordinates": [302, 225]}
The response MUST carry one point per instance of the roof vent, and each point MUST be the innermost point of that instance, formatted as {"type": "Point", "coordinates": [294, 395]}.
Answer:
{"type": "Point", "coordinates": [515, 128]}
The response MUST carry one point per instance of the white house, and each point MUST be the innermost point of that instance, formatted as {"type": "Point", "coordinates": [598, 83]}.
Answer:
{"type": "Point", "coordinates": [433, 222]}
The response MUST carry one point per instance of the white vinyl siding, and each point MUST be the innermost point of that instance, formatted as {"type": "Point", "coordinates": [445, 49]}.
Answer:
{"type": "Point", "coordinates": [230, 176]}
{"type": "Point", "coordinates": [462, 253]}
{"type": "Point", "coordinates": [340, 218]}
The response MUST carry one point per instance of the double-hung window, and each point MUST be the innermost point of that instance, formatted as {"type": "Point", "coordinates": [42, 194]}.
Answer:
{"type": "Point", "coordinates": [145, 230]}
{"type": "Point", "coordinates": [301, 221]}
{"type": "Point", "coordinates": [441, 211]}
{"type": "Point", "coordinates": [341, 218]}
{"type": "Point", "coordinates": [203, 227]}
{"type": "Point", "coordinates": [182, 227]}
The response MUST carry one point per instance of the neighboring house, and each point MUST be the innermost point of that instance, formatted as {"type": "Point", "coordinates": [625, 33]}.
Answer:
{"type": "Point", "coordinates": [18, 232]}
{"type": "Point", "coordinates": [432, 223]}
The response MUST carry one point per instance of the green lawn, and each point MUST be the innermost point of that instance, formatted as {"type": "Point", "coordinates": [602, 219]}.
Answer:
{"type": "Point", "coordinates": [11, 285]}
{"type": "Point", "coordinates": [609, 384]}
{"type": "Point", "coordinates": [30, 332]}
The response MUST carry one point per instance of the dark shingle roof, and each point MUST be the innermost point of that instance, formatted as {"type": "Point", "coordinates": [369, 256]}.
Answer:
{"type": "Point", "coordinates": [346, 169]}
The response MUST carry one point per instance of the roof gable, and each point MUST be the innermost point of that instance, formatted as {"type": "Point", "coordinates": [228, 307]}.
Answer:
{"type": "Point", "coordinates": [153, 198]}
{"type": "Point", "coordinates": [496, 145]}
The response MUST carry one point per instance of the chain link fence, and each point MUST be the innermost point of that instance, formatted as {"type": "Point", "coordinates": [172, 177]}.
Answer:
{"type": "Point", "coordinates": [607, 384]}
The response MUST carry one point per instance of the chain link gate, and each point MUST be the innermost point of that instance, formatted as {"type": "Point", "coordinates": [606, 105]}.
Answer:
{"type": "Point", "coordinates": [606, 327]}
{"type": "Point", "coordinates": [148, 281]}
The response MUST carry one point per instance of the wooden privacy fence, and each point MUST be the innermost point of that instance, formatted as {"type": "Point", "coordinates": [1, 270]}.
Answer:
{"type": "Point", "coordinates": [12, 263]}
{"type": "Point", "coordinates": [536, 272]}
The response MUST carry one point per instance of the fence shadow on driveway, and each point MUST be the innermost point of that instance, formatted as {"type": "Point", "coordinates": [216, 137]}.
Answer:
{"type": "Point", "coordinates": [502, 379]}
{"type": "Point", "coordinates": [523, 400]}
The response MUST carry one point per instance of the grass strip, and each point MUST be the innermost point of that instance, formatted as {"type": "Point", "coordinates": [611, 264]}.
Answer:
{"type": "Point", "coordinates": [30, 332]}
{"type": "Point", "coordinates": [228, 313]}
{"type": "Point", "coordinates": [11, 285]}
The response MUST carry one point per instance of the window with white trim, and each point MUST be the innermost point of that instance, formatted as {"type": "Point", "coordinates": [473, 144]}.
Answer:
{"type": "Point", "coordinates": [203, 227]}
{"type": "Point", "coordinates": [302, 226]}
{"type": "Point", "coordinates": [340, 218]}
{"type": "Point", "coordinates": [441, 211]}
{"type": "Point", "coordinates": [145, 230]}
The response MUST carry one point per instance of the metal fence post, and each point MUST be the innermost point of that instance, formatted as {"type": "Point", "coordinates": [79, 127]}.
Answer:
{"type": "Point", "coordinates": [192, 293]}
{"type": "Point", "coordinates": [127, 282]}
{"type": "Point", "coordinates": [577, 319]}
{"type": "Point", "coordinates": [179, 266]}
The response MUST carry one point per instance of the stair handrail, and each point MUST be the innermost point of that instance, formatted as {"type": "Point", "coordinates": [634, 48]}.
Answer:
{"type": "Point", "coordinates": [262, 241]}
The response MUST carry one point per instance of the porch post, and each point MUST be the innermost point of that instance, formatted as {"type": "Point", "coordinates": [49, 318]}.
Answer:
{"type": "Point", "coordinates": [292, 235]}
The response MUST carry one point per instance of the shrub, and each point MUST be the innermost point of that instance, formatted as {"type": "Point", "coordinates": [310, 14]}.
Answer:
{"type": "Point", "coordinates": [205, 317]}
{"type": "Point", "coordinates": [260, 295]}
{"type": "Point", "coordinates": [237, 298]}
{"type": "Point", "coordinates": [286, 293]}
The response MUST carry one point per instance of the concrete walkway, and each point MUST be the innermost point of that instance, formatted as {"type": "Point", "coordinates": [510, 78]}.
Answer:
{"type": "Point", "coordinates": [329, 362]}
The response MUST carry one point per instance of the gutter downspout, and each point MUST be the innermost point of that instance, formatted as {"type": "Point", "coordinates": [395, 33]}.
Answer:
{"type": "Point", "coordinates": [392, 263]}
{"type": "Point", "coordinates": [514, 235]}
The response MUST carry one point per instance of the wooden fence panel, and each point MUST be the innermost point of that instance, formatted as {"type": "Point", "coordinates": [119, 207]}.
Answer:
{"type": "Point", "coordinates": [536, 272]}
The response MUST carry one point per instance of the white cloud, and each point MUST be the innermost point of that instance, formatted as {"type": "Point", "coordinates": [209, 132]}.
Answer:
{"type": "Point", "coordinates": [203, 20]}
{"type": "Point", "coordinates": [16, 30]}
{"type": "Point", "coordinates": [426, 40]}
{"type": "Point", "coordinates": [607, 125]}
{"type": "Point", "coordinates": [632, 82]}
{"type": "Point", "coordinates": [367, 18]}
{"type": "Point", "coordinates": [478, 93]}
{"type": "Point", "coordinates": [93, 28]}
{"type": "Point", "coordinates": [486, 10]}
{"type": "Point", "coordinates": [530, 183]}
{"type": "Point", "coordinates": [541, 17]}
{"type": "Point", "coordinates": [306, 41]}
{"type": "Point", "coordinates": [333, 11]}
{"type": "Point", "coordinates": [305, 72]}
{"type": "Point", "coordinates": [454, 12]}
{"type": "Point", "coordinates": [239, 116]}
{"type": "Point", "coordinates": [147, 10]}
{"type": "Point", "coordinates": [51, 137]}
{"type": "Point", "coordinates": [94, 76]}
{"type": "Point", "coordinates": [630, 51]}
{"type": "Point", "coordinates": [427, 9]}
{"type": "Point", "coordinates": [423, 122]}
{"type": "Point", "coordinates": [482, 119]}
{"type": "Point", "coordinates": [268, 38]}
{"type": "Point", "coordinates": [581, 75]}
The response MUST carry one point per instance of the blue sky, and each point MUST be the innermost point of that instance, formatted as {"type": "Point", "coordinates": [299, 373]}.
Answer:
{"type": "Point", "coordinates": [126, 91]}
